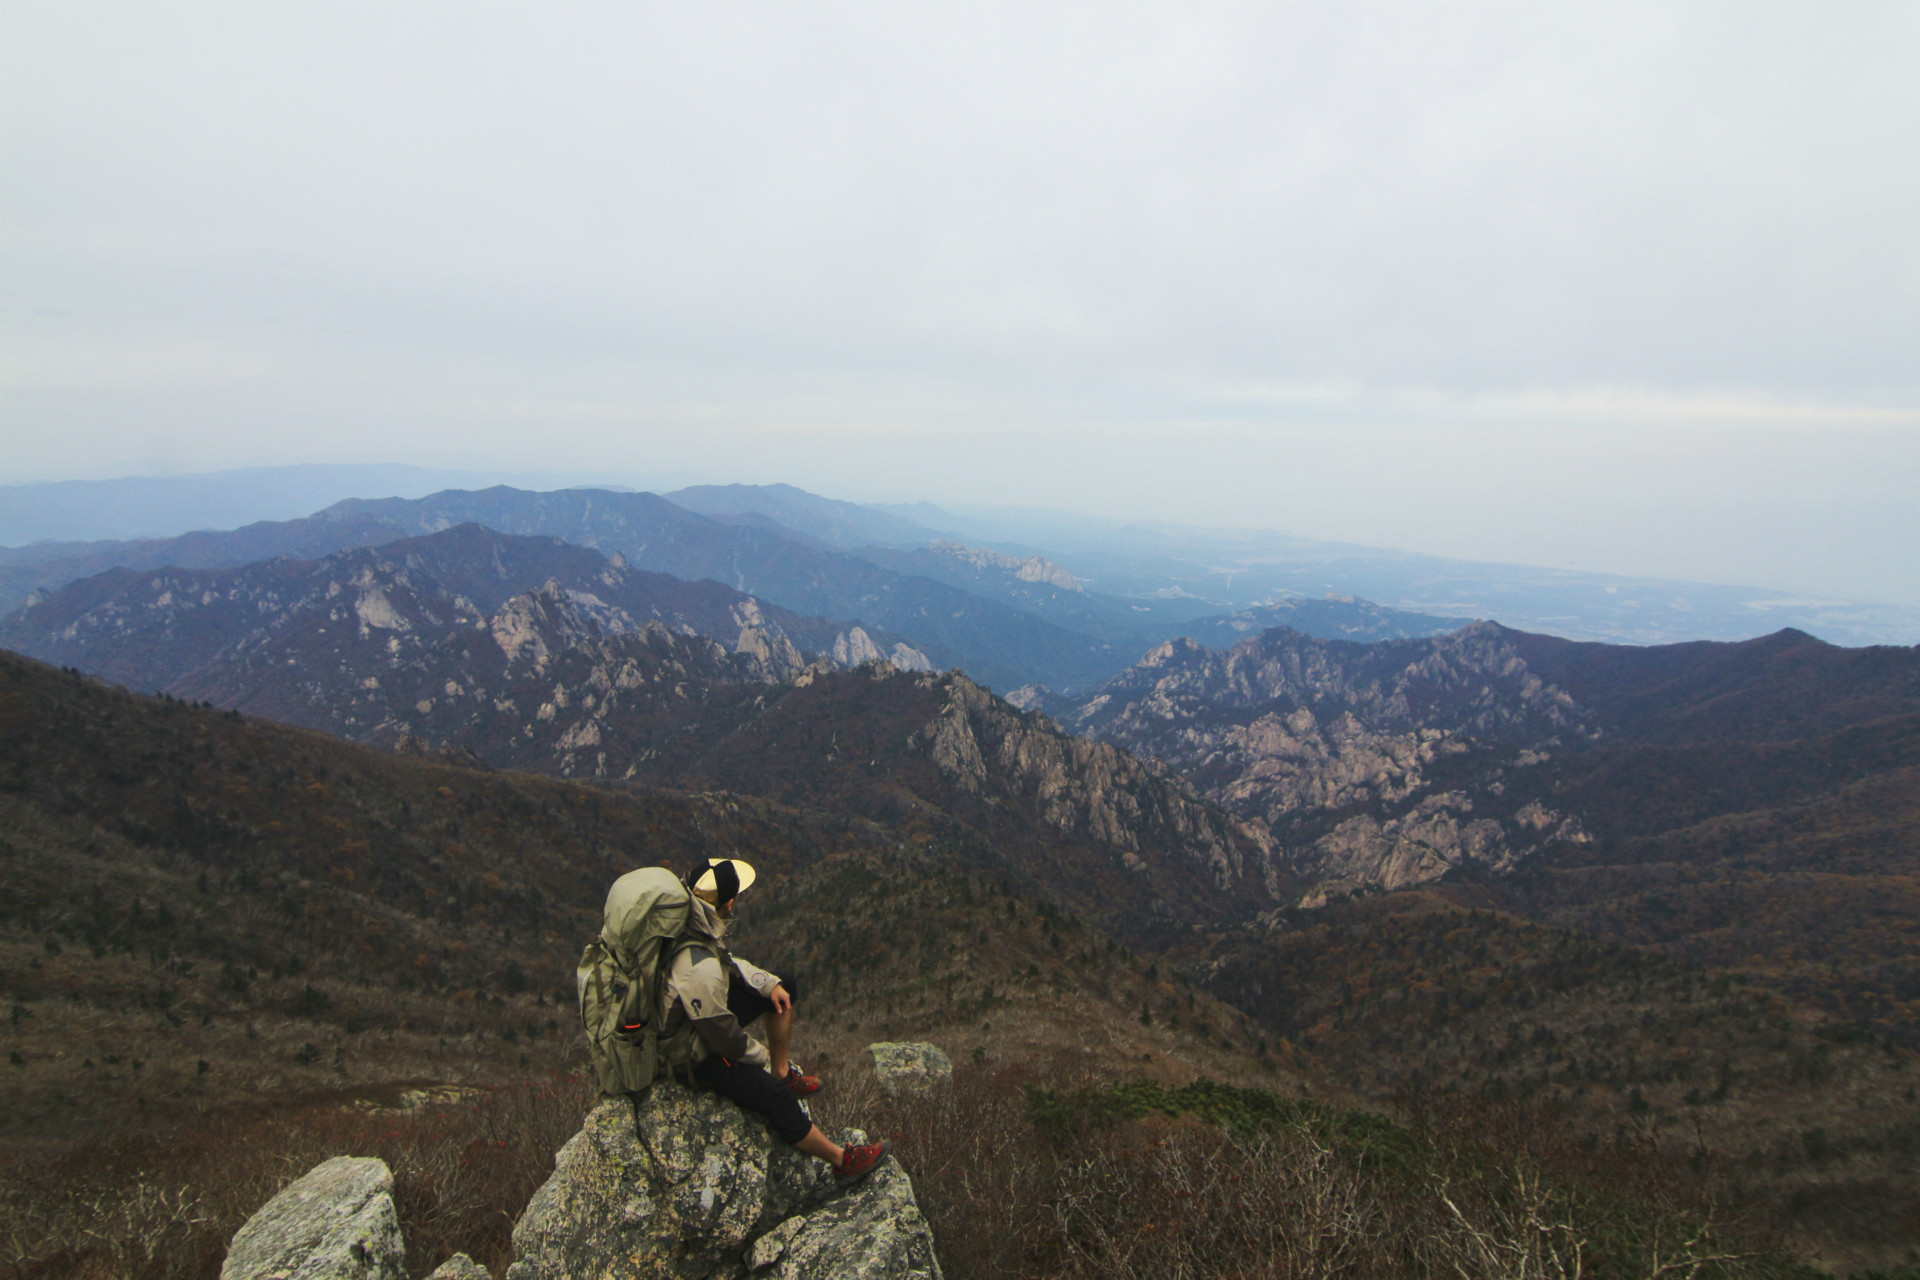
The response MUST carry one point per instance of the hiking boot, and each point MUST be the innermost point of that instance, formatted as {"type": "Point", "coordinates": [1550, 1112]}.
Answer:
{"type": "Point", "coordinates": [858, 1162]}
{"type": "Point", "coordinates": [801, 1084]}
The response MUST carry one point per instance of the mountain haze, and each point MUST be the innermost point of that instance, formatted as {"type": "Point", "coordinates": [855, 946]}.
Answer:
{"type": "Point", "coordinates": [842, 524]}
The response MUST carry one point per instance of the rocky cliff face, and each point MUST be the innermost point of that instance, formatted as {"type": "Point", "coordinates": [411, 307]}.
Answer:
{"type": "Point", "coordinates": [1082, 787]}
{"type": "Point", "coordinates": [149, 629]}
{"type": "Point", "coordinates": [1379, 765]}
{"type": "Point", "coordinates": [1124, 840]}
{"type": "Point", "coordinates": [1471, 681]}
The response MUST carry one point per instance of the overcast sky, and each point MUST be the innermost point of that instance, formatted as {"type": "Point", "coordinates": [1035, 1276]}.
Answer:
{"type": "Point", "coordinates": [1633, 288]}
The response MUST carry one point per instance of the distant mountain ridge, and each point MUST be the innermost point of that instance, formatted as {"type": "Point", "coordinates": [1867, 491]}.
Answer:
{"type": "Point", "coordinates": [25, 571]}
{"type": "Point", "coordinates": [1329, 618]}
{"type": "Point", "coordinates": [331, 624]}
{"type": "Point", "coordinates": [161, 508]}
{"type": "Point", "coordinates": [961, 606]}
{"type": "Point", "coordinates": [1242, 568]}
{"type": "Point", "coordinates": [843, 524]}
{"type": "Point", "coordinates": [1222, 571]}
{"type": "Point", "coordinates": [999, 644]}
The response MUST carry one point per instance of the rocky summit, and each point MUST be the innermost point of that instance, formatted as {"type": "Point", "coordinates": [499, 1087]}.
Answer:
{"type": "Point", "coordinates": [684, 1185]}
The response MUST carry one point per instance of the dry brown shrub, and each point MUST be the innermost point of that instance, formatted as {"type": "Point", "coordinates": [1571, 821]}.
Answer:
{"type": "Point", "coordinates": [1166, 1198]}
{"type": "Point", "coordinates": [1007, 1194]}
{"type": "Point", "coordinates": [163, 1209]}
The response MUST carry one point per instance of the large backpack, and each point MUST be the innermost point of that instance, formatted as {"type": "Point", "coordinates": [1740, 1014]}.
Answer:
{"type": "Point", "coordinates": [622, 980]}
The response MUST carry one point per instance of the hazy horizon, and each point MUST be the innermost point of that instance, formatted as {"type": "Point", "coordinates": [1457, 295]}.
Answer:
{"type": "Point", "coordinates": [1631, 291]}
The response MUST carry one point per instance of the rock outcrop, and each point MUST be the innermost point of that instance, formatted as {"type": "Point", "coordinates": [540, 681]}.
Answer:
{"type": "Point", "coordinates": [854, 648]}
{"type": "Point", "coordinates": [678, 1186]}
{"type": "Point", "coordinates": [336, 1223]}
{"type": "Point", "coordinates": [1373, 765]}
{"type": "Point", "coordinates": [1031, 569]}
{"type": "Point", "coordinates": [1082, 787]}
{"type": "Point", "coordinates": [460, 1267]}
{"type": "Point", "coordinates": [911, 1067]}
{"type": "Point", "coordinates": [687, 1185]}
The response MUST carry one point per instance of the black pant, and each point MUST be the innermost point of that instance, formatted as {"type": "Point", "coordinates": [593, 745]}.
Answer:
{"type": "Point", "coordinates": [754, 1087]}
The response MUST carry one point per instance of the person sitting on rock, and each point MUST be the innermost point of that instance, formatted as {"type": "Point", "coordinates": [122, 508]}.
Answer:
{"type": "Point", "coordinates": [721, 995]}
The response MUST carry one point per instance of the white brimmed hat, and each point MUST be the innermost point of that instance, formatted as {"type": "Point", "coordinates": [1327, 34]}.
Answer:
{"type": "Point", "coordinates": [723, 877]}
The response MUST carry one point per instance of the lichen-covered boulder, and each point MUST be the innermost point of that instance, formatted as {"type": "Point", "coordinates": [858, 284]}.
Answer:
{"type": "Point", "coordinates": [874, 1233]}
{"type": "Point", "coordinates": [336, 1223]}
{"type": "Point", "coordinates": [687, 1185]}
{"type": "Point", "coordinates": [910, 1067]}
{"type": "Point", "coordinates": [460, 1267]}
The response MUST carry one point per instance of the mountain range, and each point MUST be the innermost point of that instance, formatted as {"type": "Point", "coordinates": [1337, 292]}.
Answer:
{"type": "Point", "coordinates": [298, 910]}
{"type": "Point", "coordinates": [1666, 893]}
{"type": "Point", "coordinates": [960, 606]}
{"type": "Point", "coordinates": [358, 612]}
{"type": "Point", "coordinates": [529, 653]}
{"type": "Point", "coordinates": [1747, 807]}
{"type": "Point", "coordinates": [1350, 767]}
{"type": "Point", "coordinates": [1224, 571]}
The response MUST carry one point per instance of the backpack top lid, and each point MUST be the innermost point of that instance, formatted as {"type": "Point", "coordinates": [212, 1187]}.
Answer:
{"type": "Point", "coordinates": [644, 904]}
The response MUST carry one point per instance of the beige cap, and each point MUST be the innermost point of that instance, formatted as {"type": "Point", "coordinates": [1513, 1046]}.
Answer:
{"type": "Point", "coordinates": [716, 878]}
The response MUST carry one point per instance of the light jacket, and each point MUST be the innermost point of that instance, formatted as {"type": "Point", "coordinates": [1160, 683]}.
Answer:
{"type": "Point", "coordinates": [697, 993]}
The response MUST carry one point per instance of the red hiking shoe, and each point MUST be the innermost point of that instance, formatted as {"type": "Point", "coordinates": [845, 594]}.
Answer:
{"type": "Point", "coordinates": [801, 1083]}
{"type": "Point", "coordinates": [859, 1161]}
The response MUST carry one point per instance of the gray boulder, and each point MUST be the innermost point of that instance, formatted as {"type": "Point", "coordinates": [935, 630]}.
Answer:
{"type": "Point", "coordinates": [688, 1186]}
{"type": "Point", "coordinates": [336, 1223]}
{"type": "Point", "coordinates": [910, 1067]}
{"type": "Point", "coordinates": [873, 1233]}
{"type": "Point", "coordinates": [460, 1267]}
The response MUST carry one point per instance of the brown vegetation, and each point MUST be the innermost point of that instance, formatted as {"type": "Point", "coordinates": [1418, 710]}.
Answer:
{"type": "Point", "coordinates": [142, 1207]}
{"type": "Point", "coordinates": [222, 936]}
{"type": "Point", "coordinates": [1795, 1114]}
{"type": "Point", "coordinates": [203, 911]}
{"type": "Point", "coordinates": [1042, 1169]}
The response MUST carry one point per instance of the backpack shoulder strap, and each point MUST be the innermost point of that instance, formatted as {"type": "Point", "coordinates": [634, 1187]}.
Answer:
{"type": "Point", "coordinates": [696, 942]}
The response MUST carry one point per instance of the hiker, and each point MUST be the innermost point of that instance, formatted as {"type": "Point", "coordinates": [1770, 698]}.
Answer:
{"type": "Point", "coordinates": [721, 1000]}
{"type": "Point", "coordinates": [660, 993]}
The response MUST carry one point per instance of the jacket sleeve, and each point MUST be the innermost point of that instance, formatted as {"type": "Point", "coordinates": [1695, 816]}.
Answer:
{"type": "Point", "coordinates": [756, 977]}
{"type": "Point", "coordinates": [702, 986]}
